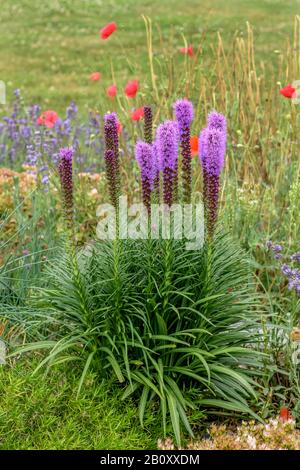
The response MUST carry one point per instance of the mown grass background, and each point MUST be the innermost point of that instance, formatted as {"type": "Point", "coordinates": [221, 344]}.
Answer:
{"type": "Point", "coordinates": [49, 49]}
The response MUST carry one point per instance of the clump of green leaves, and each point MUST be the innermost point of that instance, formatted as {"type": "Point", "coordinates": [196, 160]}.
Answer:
{"type": "Point", "coordinates": [177, 328]}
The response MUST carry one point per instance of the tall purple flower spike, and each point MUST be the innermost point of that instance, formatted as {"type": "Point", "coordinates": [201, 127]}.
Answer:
{"type": "Point", "coordinates": [167, 145]}
{"type": "Point", "coordinates": [66, 180]}
{"type": "Point", "coordinates": [146, 159]}
{"type": "Point", "coordinates": [202, 158]}
{"type": "Point", "coordinates": [111, 137]}
{"type": "Point", "coordinates": [111, 176]}
{"type": "Point", "coordinates": [156, 181]}
{"type": "Point", "coordinates": [112, 144]}
{"type": "Point", "coordinates": [148, 124]}
{"type": "Point", "coordinates": [184, 115]}
{"type": "Point", "coordinates": [212, 149]}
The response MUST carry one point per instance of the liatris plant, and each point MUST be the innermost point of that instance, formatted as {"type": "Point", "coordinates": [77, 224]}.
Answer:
{"type": "Point", "coordinates": [148, 124]}
{"type": "Point", "coordinates": [156, 177]}
{"type": "Point", "coordinates": [128, 302]}
{"type": "Point", "coordinates": [112, 144]}
{"type": "Point", "coordinates": [184, 115]}
{"type": "Point", "coordinates": [66, 181]}
{"type": "Point", "coordinates": [212, 154]}
{"type": "Point", "coordinates": [146, 159]}
{"type": "Point", "coordinates": [167, 147]}
{"type": "Point", "coordinates": [202, 157]}
{"type": "Point", "coordinates": [111, 176]}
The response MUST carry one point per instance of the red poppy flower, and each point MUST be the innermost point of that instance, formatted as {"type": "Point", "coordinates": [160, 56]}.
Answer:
{"type": "Point", "coordinates": [131, 88]}
{"type": "Point", "coordinates": [288, 91]}
{"type": "Point", "coordinates": [137, 114]}
{"type": "Point", "coordinates": [112, 91]}
{"type": "Point", "coordinates": [95, 76]}
{"type": "Point", "coordinates": [194, 143]}
{"type": "Point", "coordinates": [285, 414]}
{"type": "Point", "coordinates": [108, 30]}
{"type": "Point", "coordinates": [119, 127]}
{"type": "Point", "coordinates": [48, 119]}
{"type": "Point", "coordinates": [187, 50]}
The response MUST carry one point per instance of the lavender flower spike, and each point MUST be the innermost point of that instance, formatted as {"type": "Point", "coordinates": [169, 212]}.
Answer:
{"type": "Point", "coordinates": [167, 146]}
{"type": "Point", "coordinates": [66, 180]}
{"type": "Point", "coordinates": [145, 157]}
{"type": "Point", "coordinates": [184, 115]}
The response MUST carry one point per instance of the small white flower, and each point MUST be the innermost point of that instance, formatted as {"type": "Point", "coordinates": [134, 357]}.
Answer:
{"type": "Point", "coordinates": [251, 441]}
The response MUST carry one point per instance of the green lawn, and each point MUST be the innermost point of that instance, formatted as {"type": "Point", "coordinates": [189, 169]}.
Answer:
{"type": "Point", "coordinates": [48, 49]}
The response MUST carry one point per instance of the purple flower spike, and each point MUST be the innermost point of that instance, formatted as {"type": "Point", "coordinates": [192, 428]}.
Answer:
{"type": "Point", "coordinates": [167, 146]}
{"type": "Point", "coordinates": [112, 143]}
{"type": "Point", "coordinates": [66, 180]}
{"type": "Point", "coordinates": [212, 149]}
{"type": "Point", "coordinates": [202, 158]}
{"type": "Point", "coordinates": [156, 181]}
{"type": "Point", "coordinates": [111, 176]}
{"type": "Point", "coordinates": [111, 133]}
{"type": "Point", "coordinates": [148, 124]}
{"type": "Point", "coordinates": [202, 147]}
{"type": "Point", "coordinates": [217, 121]}
{"type": "Point", "coordinates": [215, 151]}
{"type": "Point", "coordinates": [146, 159]}
{"type": "Point", "coordinates": [214, 163]}
{"type": "Point", "coordinates": [184, 115]}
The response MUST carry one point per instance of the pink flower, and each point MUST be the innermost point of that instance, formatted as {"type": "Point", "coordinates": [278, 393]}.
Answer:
{"type": "Point", "coordinates": [112, 91]}
{"type": "Point", "coordinates": [108, 30]}
{"type": "Point", "coordinates": [131, 88]}
{"type": "Point", "coordinates": [95, 76]}
{"type": "Point", "coordinates": [47, 118]}
{"type": "Point", "coordinates": [137, 114]}
{"type": "Point", "coordinates": [187, 50]}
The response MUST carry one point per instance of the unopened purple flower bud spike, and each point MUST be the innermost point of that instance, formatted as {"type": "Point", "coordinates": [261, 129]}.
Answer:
{"type": "Point", "coordinates": [148, 124]}
{"type": "Point", "coordinates": [111, 176]}
{"type": "Point", "coordinates": [66, 180]}
{"type": "Point", "coordinates": [112, 143]}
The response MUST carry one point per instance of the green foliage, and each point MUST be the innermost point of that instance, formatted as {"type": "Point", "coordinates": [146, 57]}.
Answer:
{"type": "Point", "coordinates": [177, 327]}
{"type": "Point", "coordinates": [42, 412]}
